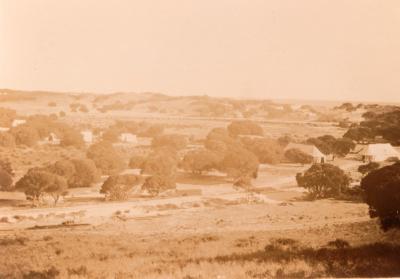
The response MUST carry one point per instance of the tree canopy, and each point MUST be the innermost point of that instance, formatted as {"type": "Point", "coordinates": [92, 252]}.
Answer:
{"type": "Point", "coordinates": [117, 187]}
{"type": "Point", "coordinates": [382, 194]}
{"type": "Point", "coordinates": [106, 157]}
{"type": "Point", "coordinates": [323, 180]}
{"type": "Point", "coordinates": [36, 183]}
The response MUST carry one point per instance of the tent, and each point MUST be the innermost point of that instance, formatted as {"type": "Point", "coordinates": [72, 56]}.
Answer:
{"type": "Point", "coordinates": [312, 150]}
{"type": "Point", "coordinates": [378, 152]}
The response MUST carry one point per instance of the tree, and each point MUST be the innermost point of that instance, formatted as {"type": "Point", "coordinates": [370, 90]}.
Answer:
{"type": "Point", "coordinates": [117, 187]}
{"type": "Point", "coordinates": [220, 135]}
{"type": "Point", "coordinates": [365, 169]}
{"type": "Point", "coordinates": [323, 180]}
{"type": "Point", "coordinates": [153, 131]}
{"type": "Point", "coordinates": [161, 162]}
{"type": "Point", "coordinates": [382, 194]}
{"type": "Point", "coordinates": [284, 140]}
{"type": "Point", "coordinates": [112, 134]}
{"type": "Point", "coordinates": [295, 155]}
{"type": "Point", "coordinates": [198, 161]}
{"type": "Point", "coordinates": [324, 143]}
{"type": "Point", "coordinates": [85, 174]}
{"type": "Point", "coordinates": [342, 147]}
{"type": "Point", "coordinates": [174, 141]}
{"type": "Point", "coordinates": [268, 151]}
{"type": "Point", "coordinates": [106, 157]}
{"type": "Point", "coordinates": [5, 180]}
{"type": "Point", "coordinates": [137, 161]}
{"type": "Point", "coordinates": [7, 140]}
{"type": "Point", "coordinates": [245, 127]}
{"type": "Point", "coordinates": [64, 168]}
{"type": "Point", "coordinates": [57, 187]}
{"type": "Point", "coordinates": [25, 135]}
{"type": "Point", "coordinates": [216, 146]}
{"type": "Point", "coordinates": [71, 137]}
{"type": "Point", "coordinates": [359, 133]}
{"type": "Point", "coordinates": [36, 183]}
{"type": "Point", "coordinates": [6, 166]}
{"type": "Point", "coordinates": [159, 183]}
{"type": "Point", "coordinates": [240, 164]}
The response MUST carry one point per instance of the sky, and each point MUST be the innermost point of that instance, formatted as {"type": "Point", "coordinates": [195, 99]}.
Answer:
{"type": "Point", "coordinates": [281, 49]}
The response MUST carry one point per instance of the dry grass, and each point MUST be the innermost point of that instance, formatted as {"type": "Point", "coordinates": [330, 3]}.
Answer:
{"type": "Point", "coordinates": [91, 253]}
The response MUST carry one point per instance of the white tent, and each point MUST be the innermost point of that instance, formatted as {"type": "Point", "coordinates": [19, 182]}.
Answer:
{"type": "Point", "coordinates": [312, 150]}
{"type": "Point", "coordinates": [378, 152]}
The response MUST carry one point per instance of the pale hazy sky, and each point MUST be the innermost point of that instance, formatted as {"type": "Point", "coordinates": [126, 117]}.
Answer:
{"type": "Point", "coordinates": [336, 49]}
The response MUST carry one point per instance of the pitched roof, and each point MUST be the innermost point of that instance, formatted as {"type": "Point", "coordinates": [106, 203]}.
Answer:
{"type": "Point", "coordinates": [306, 148]}
{"type": "Point", "coordinates": [382, 149]}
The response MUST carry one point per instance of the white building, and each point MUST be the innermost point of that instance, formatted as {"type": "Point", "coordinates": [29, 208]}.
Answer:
{"type": "Point", "coordinates": [87, 136]}
{"type": "Point", "coordinates": [4, 129]}
{"type": "Point", "coordinates": [378, 152]}
{"type": "Point", "coordinates": [17, 122]}
{"type": "Point", "coordinates": [52, 139]}
{"type": "Point", "coordinates": [128, 138]}
{"type": "Point", "coordinates": [312, 150]}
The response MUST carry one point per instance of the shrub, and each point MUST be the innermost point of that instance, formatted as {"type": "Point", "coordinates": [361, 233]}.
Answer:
{"type": "Point", "coordinates": [323, 180]}
{"type": "Point", "coordinates": [52, 104]}
{"type": "Point", "coordinates": [382, 194]}
{"type": "Point", "coordinates": [51, 273]}
{"type": "Point", "coordinates": [117, 187]}
{"type": "Point", "coordinates": [159, 183]}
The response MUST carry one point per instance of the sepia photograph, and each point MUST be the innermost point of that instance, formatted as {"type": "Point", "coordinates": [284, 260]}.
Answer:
{"type": "Point", "coordinates": [199, 139]}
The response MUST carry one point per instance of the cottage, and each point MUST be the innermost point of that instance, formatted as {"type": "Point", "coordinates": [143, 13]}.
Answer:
{"type": "Point", "coordinates": [17, 122]}
{"type": "Point", "coordinates": [128, 138]}
{"type": "Point", "coordinates": [312, 150]}
{"type": "Point", "coordinates": [87, 136]}
{"type": "Point", "coordinates": [378, 152]}
{"type": "Point", "coordinates": [52, 139]}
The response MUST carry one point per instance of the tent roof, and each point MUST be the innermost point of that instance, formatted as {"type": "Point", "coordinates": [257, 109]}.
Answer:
{"type": "Point", "coordinates": [379, 149]}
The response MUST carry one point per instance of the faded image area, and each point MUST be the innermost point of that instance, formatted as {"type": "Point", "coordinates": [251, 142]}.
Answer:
{"type": "Point", "coordinates": [199, 139]}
